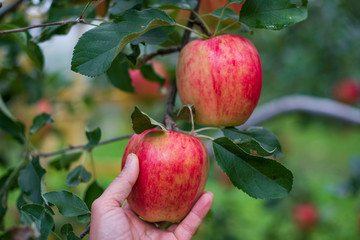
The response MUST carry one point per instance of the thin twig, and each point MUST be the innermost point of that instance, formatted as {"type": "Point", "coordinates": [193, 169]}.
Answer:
{"type": "Point", "coordinates": [302, 103]}
{"type": "Point", "coordinates": [85, 232]}
{"type": "Point", "coordinates": [70, 148]}
{"type": "Point", "coordinates": [42, 25]}
{"type": "Point", "coordinates": [168, 121]}
{"type": "Point", "coordinates": [162, 51]}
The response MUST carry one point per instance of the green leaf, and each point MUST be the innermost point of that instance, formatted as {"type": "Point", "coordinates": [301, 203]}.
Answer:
{"type": "Point", "coordinates": [155, 36]}
{"type": "Point", "coordinates": [273, 15]}
{"type": "Point", "coordinates": [65, 9]}
{"type": "Point", "coordinates": [84, 218]}
{"type": "Point", "coordinates": [28, 46]}
{"type": "Point", "coordinates": [8, 124]}
{"type": "Point", "coordinates": [135, 52]}
{"type": "Point", "coordinates": [92, 192]}
{"type": "Point", "coordinates": [40, 121]}
{"type": "Point", "coordinates": [7, 183]}
{"type": "Point", "coordinates": [174, 4]}
{"type": "Point", "coordinates": [227, 14]}
{"type": "Point", "coordinates": [65, 160]}
{"type": "Point", "coordinates": [259, 177]}
{"type": "Point", "coordinates": [3, 203]}
{"type": "Point", "coordinates": [29, 180]}
{"type": "Point", "coordinates": [255, 140]}
{"type": "Point", "coordinates": [147, 71]}
{"type": "Point", "coordinates": [77, 176]}
{"type": "Point", "coordinates": [39, 218]}
{"type": "Point", "coordinates": [93, 137]}
{"type": "Point", "coordinates": [118, 74]}
{"type": "Point", "coordinates": [68, 203]}
{"type": "Point", "coordinates": [68, 232]}
{"type": "Point", "coordinates": [51, 31]}
{"type": "Point", "coordinates": [120, 6]}
{"type": "Point", "coordinates": [142, 122]}
{"type": "Point", "coordinates": [98, 47]}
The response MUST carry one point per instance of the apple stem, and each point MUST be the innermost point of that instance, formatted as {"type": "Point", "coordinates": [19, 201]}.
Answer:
{"type": "Point", "coordinates": [218, 23]}
{"type": "Point", "coordinates": [192, 120]}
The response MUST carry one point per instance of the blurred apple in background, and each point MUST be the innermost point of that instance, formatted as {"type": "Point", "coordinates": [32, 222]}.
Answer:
{"type": "Point", "coordinates": [146, 89]}
{"type": "Point", "coordinates": [305, 216]}
{"type": "Point", "coordinates": [208, 6]}
{"type": "Point", "coordinates": [347, 91]}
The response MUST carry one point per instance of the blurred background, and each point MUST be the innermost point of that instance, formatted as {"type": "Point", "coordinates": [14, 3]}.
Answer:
{"type": "Point", "coordinates": [319, 57]}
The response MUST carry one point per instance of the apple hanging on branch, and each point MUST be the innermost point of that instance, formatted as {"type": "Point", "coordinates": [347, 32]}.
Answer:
{"type": "Point", "coordinates": [222, 77]}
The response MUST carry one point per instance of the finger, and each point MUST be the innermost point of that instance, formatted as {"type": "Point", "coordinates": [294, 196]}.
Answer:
{"type": "Point", "coordinates": [187, 228]}
{"type": "Point", "coordinates": [121, 186]}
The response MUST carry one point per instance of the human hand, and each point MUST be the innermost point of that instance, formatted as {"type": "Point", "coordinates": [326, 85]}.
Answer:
{"type": "Point", "coordinates": [111, 221]}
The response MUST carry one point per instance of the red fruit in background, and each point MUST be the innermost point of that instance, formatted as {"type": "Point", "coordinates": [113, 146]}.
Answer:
{"type": "Point", "coordinates": [101, 7]}
{"type": "Point", "coordinates": [146, 89]}
{"type": "Point", "coordinates": [222, 77]}
{"type": "Point", "coordinates": [347, 91]}
{"type": "Point", "coordinates": [173, 173]}
{"type": "Point", "coordinates": [306, 216]}
{"type": "Point", "coordinates": [43, 106]}
{"type": "Point", "coordinates": [208, 6]}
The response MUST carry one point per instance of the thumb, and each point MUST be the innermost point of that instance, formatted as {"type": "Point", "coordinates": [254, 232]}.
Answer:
{"type": "Point", "coordinates": [121, 186]}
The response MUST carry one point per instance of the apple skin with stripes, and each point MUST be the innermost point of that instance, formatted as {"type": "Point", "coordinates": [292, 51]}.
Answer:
{"type": "Point", "coordinates": [173, 170]}
{"type": "Point", "coordinates": [222, 77]}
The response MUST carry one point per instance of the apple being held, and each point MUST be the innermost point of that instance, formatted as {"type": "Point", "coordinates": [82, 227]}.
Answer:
{"type": "Point", "coordinates": [305, 216]}
{"type": "Point", "coordinates": [222, 77]}
{"type": "Point", "coordinates": [347, 91]}
{"type": "Point", "coordinates": [144, 88]}
{"type": "Point", "coordinates": [172, 176]}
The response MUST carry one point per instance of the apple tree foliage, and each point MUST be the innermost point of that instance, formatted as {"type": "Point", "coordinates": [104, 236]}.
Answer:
{"type": "Point", "coordinates": [110, 48]}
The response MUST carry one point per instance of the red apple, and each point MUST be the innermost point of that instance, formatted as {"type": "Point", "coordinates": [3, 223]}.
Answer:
{"type": "Point", "coordinates": [173, 173]}
{"type": "Point", "coordinates": [145, 89]}
{"type": "Point", "coordinates": [347, 91]}
{"type": "Point", "coordinates": [222, 77]}
{"type": "Point", "coordinates": [306, 216]}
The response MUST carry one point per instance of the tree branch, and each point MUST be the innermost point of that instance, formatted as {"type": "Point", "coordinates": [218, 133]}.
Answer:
{"type": "Point", "coordinates": [70, 148]}
{"type": "Point", "coordinates": [301, 103]}
{"type": "Point", "coordinates": [85, 232]}
{"type": "Point", "coordinates": [79, 20]}
{"type": "Point", "coordinates": [168, 121]}
{"type": "Point", "coordinates": [162, 51]}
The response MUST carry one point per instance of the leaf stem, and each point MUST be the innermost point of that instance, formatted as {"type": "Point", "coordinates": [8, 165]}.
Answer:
{"type": "Point", "coordinates": [206, 137]}
{"type": "Point", "coordinates": [229, 26]}
{"type": "Point", "coordinates": [202, 23]}
{"type": "Point", "coordinates": [84, 10]}
{"type": "Point", "coordinates": [207, 128]}
{"type": "Point", "coordinates": [218, 23]}
{"type": "Point", "coordinates": [192, 30]}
